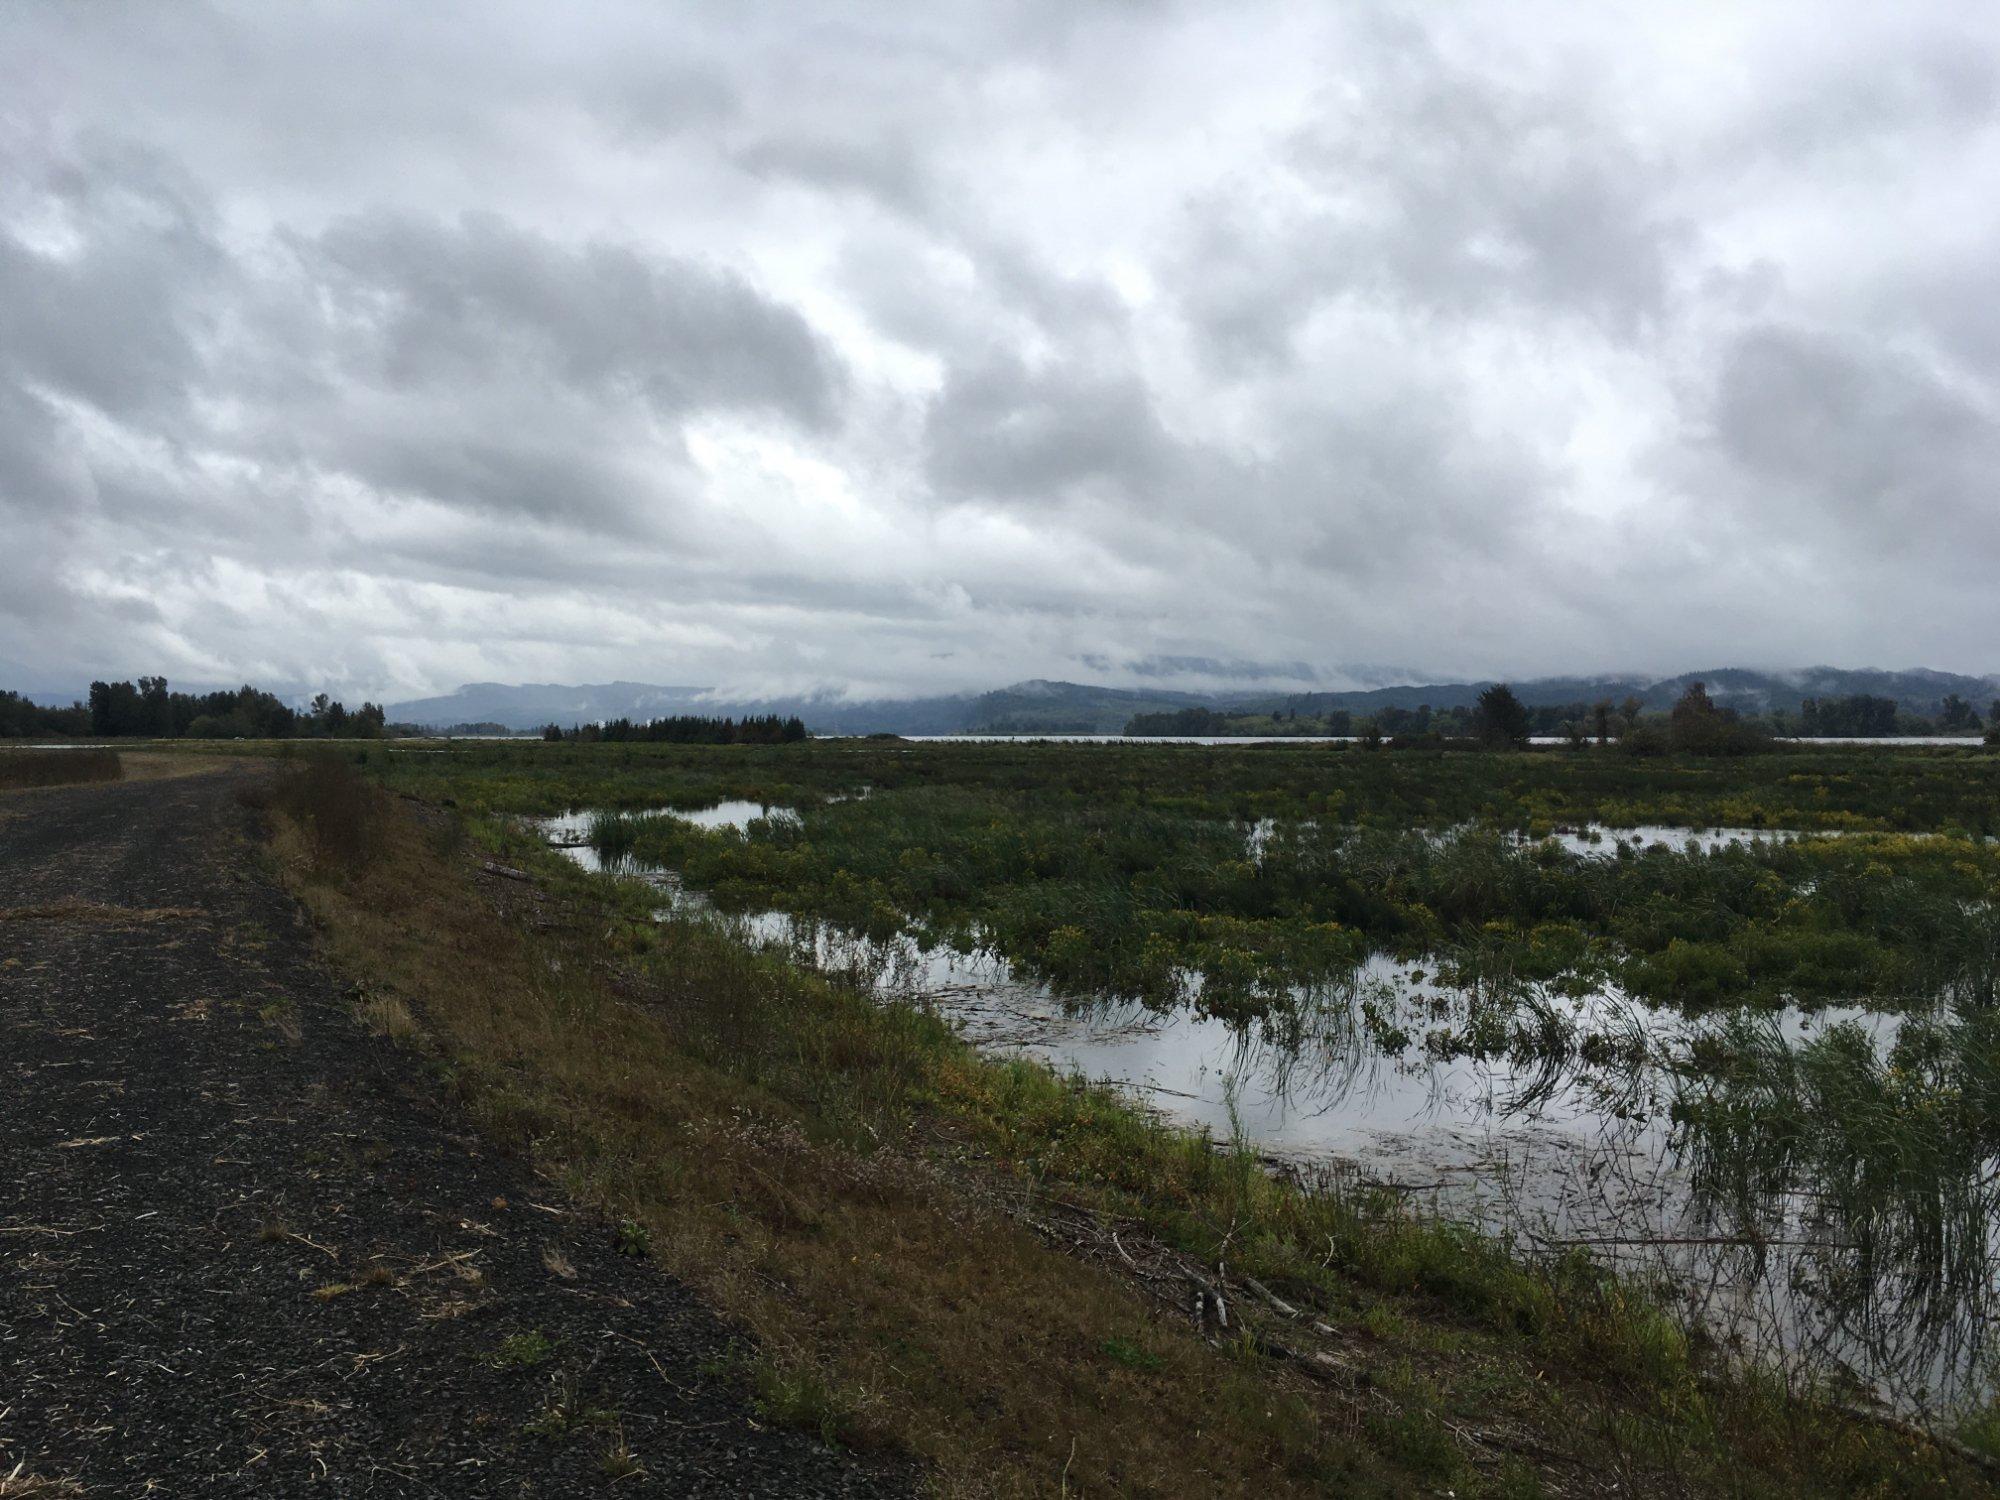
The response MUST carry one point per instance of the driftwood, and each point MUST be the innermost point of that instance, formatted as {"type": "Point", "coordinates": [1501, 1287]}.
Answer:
{"type": "Point", "coordinates": [505, 872]}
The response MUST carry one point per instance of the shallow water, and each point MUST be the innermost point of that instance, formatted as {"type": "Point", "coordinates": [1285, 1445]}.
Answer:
{"type": "Point", "coordinates": [572, 829]}
{"type": "Point", "coordinates": [1375, 1081]}
{"type": "Point", "coordinates": [1601, 838]}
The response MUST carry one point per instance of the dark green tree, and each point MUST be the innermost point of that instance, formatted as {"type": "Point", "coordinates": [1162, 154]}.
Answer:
{"type": "Point", "coordinates": [156, 708]}
{"type": "Point", "coordinates": [1955, 715]}
{"type": "Point", "coordinates": [115, 708]}
{"type": "Point", "coordinates": [1500, 718]}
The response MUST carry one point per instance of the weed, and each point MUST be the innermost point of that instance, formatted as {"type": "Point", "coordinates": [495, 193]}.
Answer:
{"type": "Point", "coordinates": [765, 1129]}
{"type": "Point", "coordinates": [282, 1016]}
{"type": "Point", "coordinates": [1981, 1431]}
{"type": "Point", "coordinates": [1384, 1323]}
{"type": "Point", "coordinates": [1515, 1481]}
{"type": "Point", "coordinates": [1417, 1438]}
{"type": "Point", "coordinates": [522, 1351]}
{"type": "Point", "coordinates": [337, 808]}
{"type": "Point", "coordinates": [618, 1461]}
{"type": "Point", "coordinates": [792, 1392]}
{"type": "Point", "coordinates": [446, 835]}
{"type": "Point", "coordinates": [565, 1412]}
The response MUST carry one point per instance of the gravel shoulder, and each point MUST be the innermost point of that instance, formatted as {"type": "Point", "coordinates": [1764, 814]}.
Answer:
{"type": "Point", "coordinates": [247, 1249]}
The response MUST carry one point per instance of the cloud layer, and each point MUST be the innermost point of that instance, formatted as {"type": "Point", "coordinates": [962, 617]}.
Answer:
{"type": "Point", "coordinates": [386, 347]}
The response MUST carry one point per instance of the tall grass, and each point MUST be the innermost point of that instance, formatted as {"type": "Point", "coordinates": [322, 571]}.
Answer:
{"type": "Point", "coordinates": [26, 768]}
{"type": "Point", "coordinates": [1879, 1165]}
{"type": "Point", "coordinates": [338, 810]}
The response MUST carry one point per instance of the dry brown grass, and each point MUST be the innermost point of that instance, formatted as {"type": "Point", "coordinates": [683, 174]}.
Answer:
{"type": "Point", "coordinates": [26, 769]}
{"type": "Point", "coordinates": [387, 1016]}
{"type": "Point", "coordinates": [72, 767]}
{"type": "Point", "coordinates": [162, 765]}
{"type": "Point", "coordinates": [19, 1484]}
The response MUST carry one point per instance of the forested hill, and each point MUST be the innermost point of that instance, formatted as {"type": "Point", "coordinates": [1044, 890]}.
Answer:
{"type": "Point", "coordinates": [1048, 707]}
{"type": "Point", "coordinates": [1917, 691]}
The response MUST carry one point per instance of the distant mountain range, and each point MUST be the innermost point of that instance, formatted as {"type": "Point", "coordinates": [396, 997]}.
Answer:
{"type": "Point", "coordinates": [1043, 707]}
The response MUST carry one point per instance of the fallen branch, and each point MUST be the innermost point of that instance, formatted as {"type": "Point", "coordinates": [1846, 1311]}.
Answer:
{"type": "Point", "coordinates": [1278, 1304]}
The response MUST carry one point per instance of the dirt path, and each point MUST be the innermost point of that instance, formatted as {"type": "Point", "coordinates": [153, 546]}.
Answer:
{"type": "Point", "coordinates": [244, 1249]}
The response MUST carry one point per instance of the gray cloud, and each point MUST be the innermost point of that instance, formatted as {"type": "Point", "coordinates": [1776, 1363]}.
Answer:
{"type": "Point", "coordinates": [1449, 193]}
{"type": "Point", "coordinates": [1859, 445]}
{"type": "Point", "coordinates": [112, 312]}
{"type": "Point", "coordinates": [1001, 430]}
{"type": "Point", "coordinates": [856, 345]}
{"type": "Point", "coordinates": [436, 305]}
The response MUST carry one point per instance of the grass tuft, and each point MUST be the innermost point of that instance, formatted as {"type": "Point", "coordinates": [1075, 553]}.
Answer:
{"type": "Point", "coordinates": [522, 1351]}
{"type": "Point", "coordinates": [388, 1016]}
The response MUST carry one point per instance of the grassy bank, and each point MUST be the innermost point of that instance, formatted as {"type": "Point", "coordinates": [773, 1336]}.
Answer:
{"type": "Point", "coordinates": [988, 1265]}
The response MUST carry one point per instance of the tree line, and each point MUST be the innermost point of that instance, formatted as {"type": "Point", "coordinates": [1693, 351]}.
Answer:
{"type": "Point", "coordinates": [685, 729]}
{"type": "Point", "coordinates": [1695, 724]}
{"type": "Point", "coordinates": [149, 709]}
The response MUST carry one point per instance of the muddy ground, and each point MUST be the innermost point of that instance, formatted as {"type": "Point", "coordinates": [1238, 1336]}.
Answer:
{"type": "Point", "coordinates": [247, 1249]}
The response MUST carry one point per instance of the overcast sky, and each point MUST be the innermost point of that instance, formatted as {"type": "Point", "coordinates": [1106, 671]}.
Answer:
{"type": "Point", "coordinates": [908, 347]}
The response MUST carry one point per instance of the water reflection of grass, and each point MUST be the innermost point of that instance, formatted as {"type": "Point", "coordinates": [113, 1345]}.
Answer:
{"type": "Point", "coordinates": [1879, 1166]}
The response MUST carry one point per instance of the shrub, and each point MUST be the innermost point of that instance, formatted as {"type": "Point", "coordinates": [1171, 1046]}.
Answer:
{"type": "Point", "coordinates": [1645, 739]}
{"type": "Point", "coordinates": [334, 807]}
